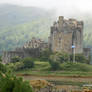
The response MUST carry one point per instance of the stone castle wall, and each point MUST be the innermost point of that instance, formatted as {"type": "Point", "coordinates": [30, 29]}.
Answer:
{"type": "Point", "coordinates": [8, 55]}
{"type": "Point", "coordinates": [30, 49]}
{"type": "Point", "coordinates": [64, 34]}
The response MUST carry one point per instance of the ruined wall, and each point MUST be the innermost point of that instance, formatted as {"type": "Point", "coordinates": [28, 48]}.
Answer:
{"type": "Point", "coordinates": [8, 55]}
{"type": "Point", "coordinates": [64, 34]}
{"type": "Point", "coordinates": [36, 44]}
{"type": "Point", "coordinates": [30, 49]}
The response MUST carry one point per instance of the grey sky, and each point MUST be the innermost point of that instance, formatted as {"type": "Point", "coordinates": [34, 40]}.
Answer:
{"type": "Point", "coordinates": [59, 5]}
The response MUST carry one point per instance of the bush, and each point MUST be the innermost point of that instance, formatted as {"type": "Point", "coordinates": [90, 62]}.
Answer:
{"type": "Point", "coordinates": [44, 55]}
{"type": "Point", "coordinates": [54, 62]}
{"type": "Point", "coordinates": [61, 57]}
{"type": "Point", "coordinates": [28, 63]}
{"type": "Point", "coordinates": [69, 66]}
{"type": "Point", "coordinates": [3, 68]}
{"type": "Point", "coordinates": [57, 58]}
{"type": "Point", "coordinates": [80, 58]}
{"type": "Point", "coordinates": [9, 83]}
{"type": "Point", "coordinates": [15, 59]}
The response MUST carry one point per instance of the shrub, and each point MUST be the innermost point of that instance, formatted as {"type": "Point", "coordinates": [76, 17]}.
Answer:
{"type": "Point", "coordinates": [61, 57]}
{"type": "Point", "coordinates": [9, 83]}
{"type": "Point", "coordinates": [69, 66]}
{"type": "Point", "coordinates": [15, 59]}
{"type": "Point", "coordinates": [3, 68]}
{"type": "Point", "coordinates": [80, 58]}
{"type": "Point", "coordinates": [54, 62]}
{"type": "Point", "coordinates": [44, 55]}
{"type": "Point", "coordinates": [28, 63]}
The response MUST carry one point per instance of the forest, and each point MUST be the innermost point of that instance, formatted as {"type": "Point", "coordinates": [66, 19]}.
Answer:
{"type": "Point", "coordinates": [20, 24]}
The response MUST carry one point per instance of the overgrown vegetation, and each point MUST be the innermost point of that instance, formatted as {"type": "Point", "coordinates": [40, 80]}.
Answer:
{"type": "Point", "coordinates": [56, 59]}
{"type": "Point", "coordinates": [50, 61]}
{"type": "Point", "coordinates": [15, 59]}
{"type": "Point", "coordinates": [9, 83]}
{"type": "Point", "coordinates": [3, 68]}
{"type": "Point", "coordinates": [28, 63]}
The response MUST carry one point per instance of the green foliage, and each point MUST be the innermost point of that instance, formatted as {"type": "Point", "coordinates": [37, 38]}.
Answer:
{"type": "Point", "coordinates": [15, 59]}
{"type": "Point", "coordinates": [45, 55]}
{"type": "Point", "coordinates": [3, 68]}
{"type": "Point", "coordinates": [15, 66]}
{"type": "Point", "coordinates": [9, 83]}
{"type": "Point", "coordinates": [0, 58]}
{"type": "Point", "coordinates": [30, 22]}
{"type": "Point", "coordinates": [60, 57]}
{"type": "Point", "coordinates": [54, 62]}
{"type": "Point", "coordinates": [80, 58]}
{"type": "Point", "coordinates": [69, 66]}
{"type": "Point", "coordinates": [28, 63]}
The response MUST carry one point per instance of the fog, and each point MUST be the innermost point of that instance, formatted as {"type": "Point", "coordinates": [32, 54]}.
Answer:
{"type": "Point", "coordinates": [62, 7]}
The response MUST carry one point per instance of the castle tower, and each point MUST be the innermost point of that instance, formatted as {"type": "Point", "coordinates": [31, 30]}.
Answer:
{"type": "Point", "coordinates": [64, 34]}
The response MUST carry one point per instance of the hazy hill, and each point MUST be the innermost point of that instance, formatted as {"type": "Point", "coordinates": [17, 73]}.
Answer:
{"type": "Point", "coordinates": [12, 14]}
{"type": "Point", "coordinates": [20, 24]}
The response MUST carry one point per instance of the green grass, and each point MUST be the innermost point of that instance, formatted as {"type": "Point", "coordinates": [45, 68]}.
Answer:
{"type": "Point", "coordinates": [41, 66]}
{"type": "Point", "coordinates": [67, 69]}
{"type": "Point", "coordinates": [73, 83]}
{"type": "Point", "coordinates": [76, 67]}
{"type": "Point", "coordinates": [55, 73]}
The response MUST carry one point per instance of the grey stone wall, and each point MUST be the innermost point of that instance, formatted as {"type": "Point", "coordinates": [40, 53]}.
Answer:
{"type": "Point", "coordinates": [30, 49]}
{"type": "Point", "coordinates": [65, 33]}
{"type": "Point", "coordinates": [8, 55]}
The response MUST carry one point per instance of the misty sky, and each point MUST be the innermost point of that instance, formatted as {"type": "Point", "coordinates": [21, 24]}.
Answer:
{"type": "Point", "coordinates": [64, 6]}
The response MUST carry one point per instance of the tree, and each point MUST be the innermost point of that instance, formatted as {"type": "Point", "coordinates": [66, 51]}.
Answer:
{"type": "Point", "coordinates": [15, 59]}
{"type": "Point", "coordinates": [80, 58]}
{"type": "Point", "coordinates": [10, 83]}
{"type": "Point", "coordinates": [3, 68]}
{"type": "Point", "coordinates": [54, 62]}
{"type": "Point", "coordinates": [28, 63]}
{"type": "Point", "coordinates": [45, 54]}
{"type": "Point", "coordinates": [57, 58]}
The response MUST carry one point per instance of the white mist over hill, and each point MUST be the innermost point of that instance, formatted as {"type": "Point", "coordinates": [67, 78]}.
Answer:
{"type": "Point", "coordinates": [63, 7]}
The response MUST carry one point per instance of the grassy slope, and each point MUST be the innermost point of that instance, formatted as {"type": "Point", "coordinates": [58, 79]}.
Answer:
{"type": "Point", "coordinates": [20, 24]}
{"type": "Point", "coordinates": [66, 76]}
{"type": "Point", "coordinates": [67, 69]}
{"type": "Point", "coordinates": [16, 36]}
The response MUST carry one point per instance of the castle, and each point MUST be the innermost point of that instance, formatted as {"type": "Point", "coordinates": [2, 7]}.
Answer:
{"type": "Point", "coordinates": [63, 35]}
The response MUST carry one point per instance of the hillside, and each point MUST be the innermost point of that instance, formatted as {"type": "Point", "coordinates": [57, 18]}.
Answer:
{"type": "Point", "coordinates": [20, 24]}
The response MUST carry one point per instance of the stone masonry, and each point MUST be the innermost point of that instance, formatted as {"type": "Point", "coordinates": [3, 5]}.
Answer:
{"type": "Point", "coordinates": [64, 34]}
{"type": "Point", "coordinates": [30, 49]}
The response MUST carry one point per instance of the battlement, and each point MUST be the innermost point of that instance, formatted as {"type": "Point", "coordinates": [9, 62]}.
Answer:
{"type": "Point", "coordinates": [70, 24]}
{"type": "Point", "coordinates": [36, 43]}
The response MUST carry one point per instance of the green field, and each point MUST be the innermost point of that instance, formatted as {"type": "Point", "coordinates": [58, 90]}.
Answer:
{"type": "Point", "coordinates": [67, 69]}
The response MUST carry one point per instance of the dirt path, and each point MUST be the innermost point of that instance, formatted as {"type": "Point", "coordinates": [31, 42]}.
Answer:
{"type": "Point", "coordinates": [58, 78]}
